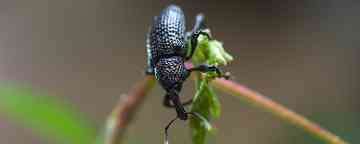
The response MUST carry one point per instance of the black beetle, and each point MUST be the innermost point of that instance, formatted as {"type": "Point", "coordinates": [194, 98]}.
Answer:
{"type": "Point", "coordinates": [167, 51]}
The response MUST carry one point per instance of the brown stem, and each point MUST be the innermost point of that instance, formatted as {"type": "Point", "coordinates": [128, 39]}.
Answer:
{"type": "Point", "coordinates": [125, 110]}
{"type": "Point", "coordinates": [264, 103]}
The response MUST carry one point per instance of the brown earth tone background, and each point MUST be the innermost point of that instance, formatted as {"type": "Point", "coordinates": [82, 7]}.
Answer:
{"type": "Point", "coordinates": [303, 54]}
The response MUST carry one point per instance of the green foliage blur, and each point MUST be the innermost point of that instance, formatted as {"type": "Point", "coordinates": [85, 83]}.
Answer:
{"type": "Point", "coordinates": [48, 116]}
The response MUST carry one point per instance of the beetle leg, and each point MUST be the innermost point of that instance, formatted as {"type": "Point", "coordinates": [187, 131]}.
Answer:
{"type": "Point", "coordinates": [197, 30]}
{"type": "Point", "coordinates": [187, 102]}
{"type": "Point", "coordinates": [167, 102]}
{"type": "Point", "coordinates": [209, 68]}
{"type": "Point", "coordinates": [194, 42]}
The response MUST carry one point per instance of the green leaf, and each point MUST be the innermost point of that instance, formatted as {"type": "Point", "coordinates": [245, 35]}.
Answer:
{"type": "Point", "coordinates": [207, 105]}
{"type": "Point", "coordinates": [48, 116]}
{"type": "Point", "coordinates": [215, 108]}
{"type": "Point", "coordinates": [206, 102]}
{"type": "Point", "coordinates": [211, 52]}
{"type": "Point", "coordinates": [217, 54]}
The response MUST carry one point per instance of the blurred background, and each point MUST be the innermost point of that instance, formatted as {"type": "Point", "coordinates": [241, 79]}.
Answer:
{"type": "Point", "coordinates": [303, 54]}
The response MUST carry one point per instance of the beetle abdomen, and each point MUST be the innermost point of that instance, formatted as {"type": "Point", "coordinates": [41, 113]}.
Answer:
{"type": "Point", "coordinates": [167, 35]}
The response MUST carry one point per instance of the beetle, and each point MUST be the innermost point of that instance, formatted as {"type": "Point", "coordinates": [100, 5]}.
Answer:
{"type": "Point", "coordinates": [167, 50]}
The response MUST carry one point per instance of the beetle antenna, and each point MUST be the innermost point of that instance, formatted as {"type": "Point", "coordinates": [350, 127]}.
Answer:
{"type": "Point", "coordinates": [195, 114]}
{"type": "Point", "coordinates": [166, 130]}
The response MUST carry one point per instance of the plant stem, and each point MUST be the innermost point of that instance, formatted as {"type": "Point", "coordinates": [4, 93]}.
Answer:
{"type": "Point", "coordinates": [125, 110]}
{"type": "Point", "coordinates": [264, 103]}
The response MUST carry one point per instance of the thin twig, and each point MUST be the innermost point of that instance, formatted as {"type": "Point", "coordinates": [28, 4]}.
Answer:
{"type": "Point", "coordinates": [125, 110]}
{"type": "Point", "coordinates": [264, 103]}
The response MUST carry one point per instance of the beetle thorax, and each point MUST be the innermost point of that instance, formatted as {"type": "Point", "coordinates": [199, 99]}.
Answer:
{"type": "Point", "coordinates": [171, 72]}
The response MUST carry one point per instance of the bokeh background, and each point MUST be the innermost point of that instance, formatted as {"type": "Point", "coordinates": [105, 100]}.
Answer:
{"type": "Point", "coordinates": [303, 54]}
